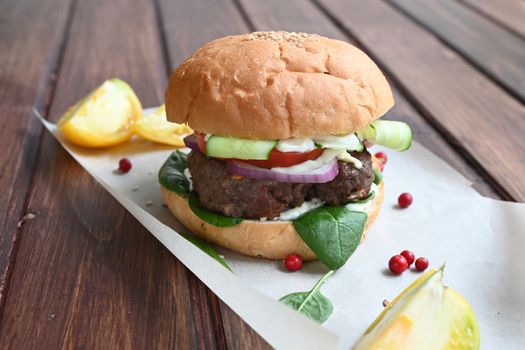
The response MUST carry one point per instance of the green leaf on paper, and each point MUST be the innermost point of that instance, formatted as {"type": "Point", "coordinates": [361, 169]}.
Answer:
{"type": "Point", "coordinates": [313, 304]}
{"type": "Point", "coordinates": [208, 249]}
{"type": "Point", "coordinates": [332, 233]}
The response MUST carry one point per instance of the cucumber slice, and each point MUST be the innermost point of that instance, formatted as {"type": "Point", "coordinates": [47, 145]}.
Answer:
{"type": "Point", "coordinates": [392, 134]}
{"type": "Point", "coordinates": [229, 147]}
{"type": "Point", "coordinates": [349, 142]}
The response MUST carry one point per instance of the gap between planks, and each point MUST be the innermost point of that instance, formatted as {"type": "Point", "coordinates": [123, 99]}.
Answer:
{"type": "Point", "coordinates": [44, 96]}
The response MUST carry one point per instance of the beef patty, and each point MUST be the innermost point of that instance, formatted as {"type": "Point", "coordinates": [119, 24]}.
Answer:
{"type": "Point", "coordinates": [238, 196]}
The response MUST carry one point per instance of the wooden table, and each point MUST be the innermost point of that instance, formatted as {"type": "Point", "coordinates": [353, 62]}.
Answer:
{"type": "Point", "coordinates": [79, 271]}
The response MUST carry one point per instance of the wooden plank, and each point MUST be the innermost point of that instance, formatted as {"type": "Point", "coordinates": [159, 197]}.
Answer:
{"type": "Point", "coordinates": [492, 49]}
{"type": "Point", "coordinates": [297, 15]}
{"type": "Point", "coordinates": [508, 13]}
{"type": "Point", "coordinates": [30, 47]}
{"type": "Point", "coordinates": [186, 26]}
{"type": "Point", "coordinates": [87, 274]}
{"type": "Point", "coordinates": [482, 120]}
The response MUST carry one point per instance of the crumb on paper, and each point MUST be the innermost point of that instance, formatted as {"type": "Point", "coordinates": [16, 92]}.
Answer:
{"type": "Point", "coordinates": [148, 203]}
{"type": "Point", "coordinates": [385, 303]}
{"type": "Point", "coordinates": [135, 189]}
{"type": "Point", "coordinates": [150, 172]}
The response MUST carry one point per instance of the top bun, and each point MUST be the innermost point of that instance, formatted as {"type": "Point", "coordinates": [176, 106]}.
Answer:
{"type": "Point", "coordinates": [277, 85]}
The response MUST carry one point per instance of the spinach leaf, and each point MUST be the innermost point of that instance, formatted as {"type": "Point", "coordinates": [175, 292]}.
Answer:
{"type": "Point", "coordinates": [209, 216]}
{"type": "Point", "coordinates": [333, 233]}
{"type": "Point", "coordinates": [171, 174]}
{"type": "Point", "coordinates": [313, 304]}
{"type": "Point", "coordinates": [378, 176]}
{"type": "Point", "coordinates": [208, 249]}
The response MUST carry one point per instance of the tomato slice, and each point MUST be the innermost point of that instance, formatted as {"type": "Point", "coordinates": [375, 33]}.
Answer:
{"type": "Point", "coordinates": [285, 159]}
{"type": "Point", "coordinates": [276, 159]}
{"type": "Point", "coordinates": [201, 140]}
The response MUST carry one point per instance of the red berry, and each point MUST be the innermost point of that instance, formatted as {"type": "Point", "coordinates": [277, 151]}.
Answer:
{"type": "Point", "coordinates": [124, 165]}
{"type": "Point", "coordinates": [382, 157]}
{"type": "Point", "coordinates": [293, 262]}
{"type": "Point", "coordinates": [397, 264]}
{"type": "Point", "coordinates": [409, 256]}
{"type": "Point", "coordinates": [421, 264]}
{"type": "Point", "coordinates": [404, 200]}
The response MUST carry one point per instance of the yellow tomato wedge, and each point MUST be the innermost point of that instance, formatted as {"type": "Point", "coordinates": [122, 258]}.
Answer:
{"type": "Point", "coordinates": [155, 127]}
{"type": "Point", "coordinates": [103, 118]}
{"type": "Point", "coordinates": [426, 315]}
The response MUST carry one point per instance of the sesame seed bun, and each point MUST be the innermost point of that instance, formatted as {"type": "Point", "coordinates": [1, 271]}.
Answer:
{"type": "Point", "coordinates": [277, 85]}
{"type": "Point", "coordinates": [263, 239]}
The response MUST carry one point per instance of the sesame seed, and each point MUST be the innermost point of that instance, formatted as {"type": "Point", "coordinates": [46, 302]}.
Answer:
{"type": "Point", "coordinates": [292, 38]}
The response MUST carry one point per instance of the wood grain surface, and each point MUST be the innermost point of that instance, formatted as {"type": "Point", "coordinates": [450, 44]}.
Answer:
{"type": "Point", "coordinates": [491, 48]}
{"type": "Point", "coordinates": [29, 56]}
{"type": "Point", "coordinates": [187, 25]}
{"type": "Point", "coordinates": [475, 114]}
{"type": "Point", "coordinates": [507, 13]}
{"type": "Point", "coordinates": [83, 273]}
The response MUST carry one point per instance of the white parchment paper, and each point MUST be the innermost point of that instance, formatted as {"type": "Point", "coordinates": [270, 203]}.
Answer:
{"type": "Point", "coordinates": [481, 240]}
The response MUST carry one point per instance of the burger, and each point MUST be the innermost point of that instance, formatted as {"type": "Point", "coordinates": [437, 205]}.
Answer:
{"type": "Point", "coordinates": [279, 161]}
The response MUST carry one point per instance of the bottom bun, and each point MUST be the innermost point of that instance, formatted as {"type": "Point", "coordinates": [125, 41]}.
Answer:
{"type": "Point", "coordinates": [263, 239]}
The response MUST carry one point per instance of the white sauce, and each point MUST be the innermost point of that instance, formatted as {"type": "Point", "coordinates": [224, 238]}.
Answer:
{"type": "Point", "coordinates": [295, 145]}
{"type": "Point", "coordinates": [310, 166]}
{"type": "Point", "coordinates": [294, 213]}
{"type": "Point", "coordinates": [188, 176]}
{"type": "Point", "coordinates": [347, 158]}
{"type": "Point", "coordinates": [349, 142]}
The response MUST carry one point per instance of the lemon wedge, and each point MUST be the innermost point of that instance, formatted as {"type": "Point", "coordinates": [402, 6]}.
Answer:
{"type": "Point", "coordinates": [426, 315]}
{"type": "Point", "coordinates": [155, 127]}
{"type": "Point", "coordinates": [103, 118]}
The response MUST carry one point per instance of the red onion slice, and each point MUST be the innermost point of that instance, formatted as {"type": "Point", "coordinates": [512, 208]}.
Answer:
{"type": "Point", "coordinates": [191, 142]}
{"type": "Point", "coordinates": [325, 173]}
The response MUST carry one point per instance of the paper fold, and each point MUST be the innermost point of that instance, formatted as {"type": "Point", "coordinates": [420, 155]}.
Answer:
{"type": "Point", "coordinates": [479, 239]}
